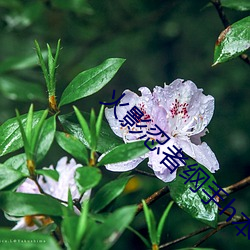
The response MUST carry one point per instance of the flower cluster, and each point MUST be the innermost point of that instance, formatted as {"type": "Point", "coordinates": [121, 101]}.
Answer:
{"type": "Point", "coordinates": [181, 110]}
{"type": "Point", "coordinates": [58, 189]}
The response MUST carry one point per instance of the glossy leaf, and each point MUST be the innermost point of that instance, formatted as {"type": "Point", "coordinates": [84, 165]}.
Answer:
{"type": "Point", "coordinates": [87, 177]}
{"type": "Point", "coordinates": [105, 235]}
{"type": "Point", "coordinates": [16, 240]}
{"type": "Point", "coordinates": [233, 41]}
{"type": "Point", "coordinates": [241, 5]}
{"type": "Point", "coordinates": [190, 201]}
{"type": "Point", "coordinates": [73, 146]}
{"type": "Point", "coordinates": [19, 90]}
{"type": "Point", "coordinates": [20, 204]}
{"type": "Point", "coordinates": [10, 136]}
{"type": "Point", "coordinates": [124, 152]}
{"type": "Point", "coordinates": [107, 138]}
{"type": "Point", "coordinates": [90, 81]}
{"type": "Point", "coordinates": [108, 193]}
{"type": "Point", "coordinates": [8, 176]}
{"type": "Point", "coordinates": [46, 138]}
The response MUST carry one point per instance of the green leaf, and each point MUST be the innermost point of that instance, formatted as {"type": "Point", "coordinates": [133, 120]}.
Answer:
{"type": "Point", "coordinates": [84, 125]}
{"type": "Point", "coordinates": [46, 138]}
{"type": "Point", "coordinates": [233, 41]}
{"type": "Point", "coordinates": [8, 176]}
{"type": "Point", "coordinates": [16, 240]}
{"type": "Point", "coordinates": [53, 174]}
{"type": "Point", "coordinates": [69, 230]}
{"type": "Point", "coordinates": [90, 81]}
{"type": "Point", "coordinates": [92, 127]}
{"type": "Point", "coordinates": [99, 122]}
{"type": "Point", "coordinates": [87, 177]}
{"type": "Point", "coordinates": [105, 235]}
{"type": "Point", "coordinates": [37, 131]}
{"type": "Point", "coordinates": [124, 152]}
{"type": "Point", "coordinates": [162, 221]}
{"type": "Point", "coordinates": [191, 201]}
{"type": "Point", "coordinates": [108, 193]}
{"type": "Point", "coordinates": [82, 223]}
{"type": "Point", "coordinates": [241, 5]}
{"type": "Point", "coordinates": [107, 139]}
{"type": "Point", "coordinates": [151, 223]}
{"type": "Point", "coordinates": [73, 146]}
{"type": "Point", "coordinates": [20, 204]}
{"type": "Point", "coordinates": [19, 90]}
{"type": "Point", "coordinates": [10, 136]}
{"type": "Point", "coordinates": [74, 228]}
{"type": "Point", "coordinates": [18, 162]}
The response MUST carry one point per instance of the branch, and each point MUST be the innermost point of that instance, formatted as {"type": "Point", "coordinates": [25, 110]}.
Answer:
{"type": "Point", "coordinates": [226, 23]}
{"type": "Point", "coordinates": [236, 218]}
{"type": "Point", "coordinates": [204, 229]}
{"type": "Point", "coordinates": [152, 198]}
{"type": "Point", "coordinates": [236, 186]}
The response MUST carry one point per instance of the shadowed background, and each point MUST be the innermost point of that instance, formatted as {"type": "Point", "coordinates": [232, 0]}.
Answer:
{"type": "Point", "coordinates": [161, 41]}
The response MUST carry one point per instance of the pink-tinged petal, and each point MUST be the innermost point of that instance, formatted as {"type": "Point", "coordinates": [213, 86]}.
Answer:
{"type": "Point", "coordinates": [160, 170]}
{"type": "Point", "coordinates": [59, 189]}
{"type": "Point", "coordinates": [200, 153]}
{"type": "Point", "coordinates": [189, 110]}
{"type": "Point", "coordinates": [144, 103]}
{"type": "Point", "coordinates": [126, 165]}
{"type": "Point", "coordinates": [196, 139]}
{"type": "Point", "coordinates": [29, 187]}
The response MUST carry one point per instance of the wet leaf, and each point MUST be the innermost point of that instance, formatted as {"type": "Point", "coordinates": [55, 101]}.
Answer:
{"type": "Point", "coordinates": [10, 136]}
{"type": "Point", "coordinates": [191, 201]}
{"type": "Point", "coordinates": [233, 41]}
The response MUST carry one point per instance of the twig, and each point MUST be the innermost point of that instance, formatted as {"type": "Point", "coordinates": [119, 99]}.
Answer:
{"type": "Point", "coordinates": [224, 224]}
{"type": "Point", "coordinates": [144, 173]}
{"type": "Point", "coordinates": [152, 198]}
{"type": "Point", "coordinates": [236, 186]}
{"type": "Point", "coordinates": [226, 23]}
{"type": "Point", "coordinates": [204, 229]}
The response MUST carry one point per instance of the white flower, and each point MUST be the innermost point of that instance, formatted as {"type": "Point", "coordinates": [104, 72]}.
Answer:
{"type": "Point", "coordinates": [58, 189]}
{"type": "Point", "coordinates": [181, 110]}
